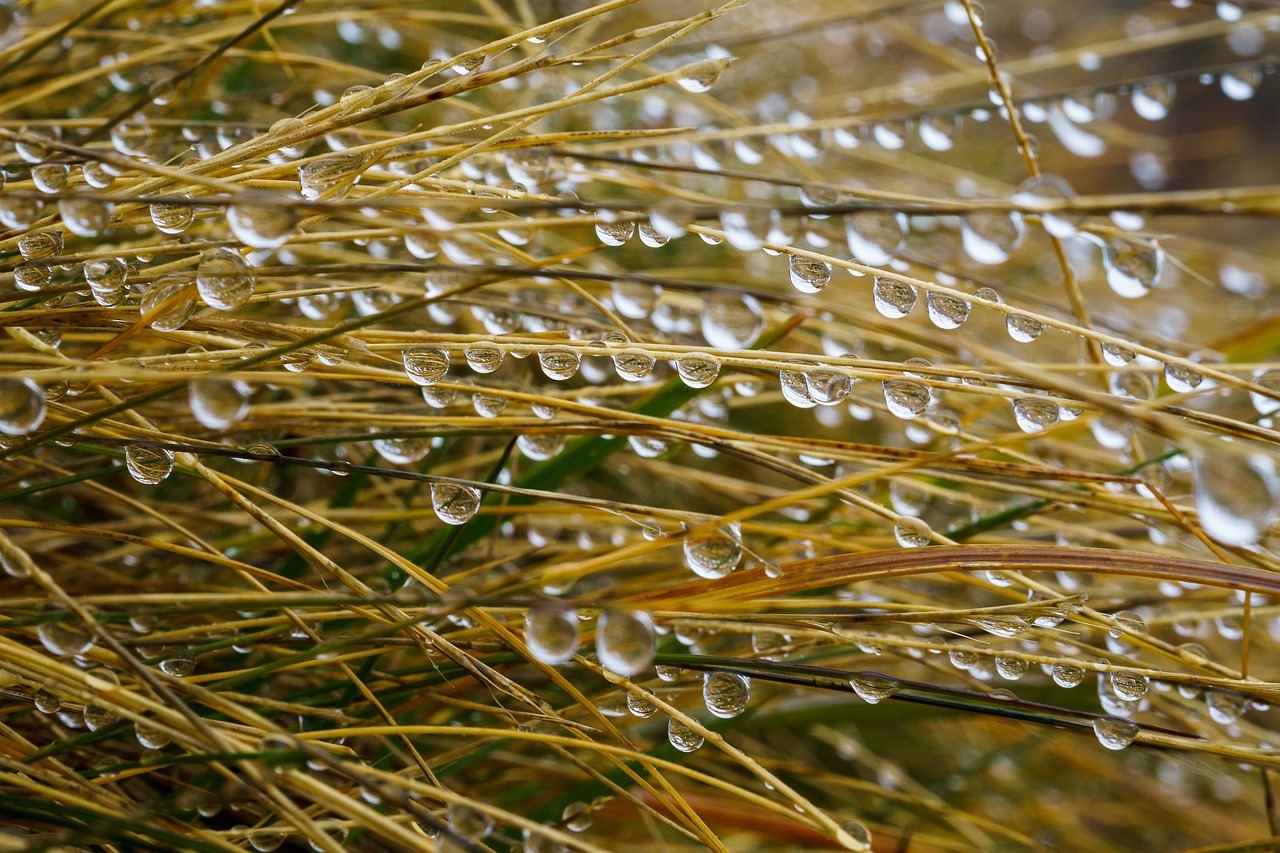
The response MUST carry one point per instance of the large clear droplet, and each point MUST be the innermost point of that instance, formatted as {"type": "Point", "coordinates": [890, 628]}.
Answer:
{"type": "Point", "coordinates": [876, 236]}
{"type": "Point", "coordinates": [731, 320]}
{"type": "Point", "coordinates": [455, 503]}
{"type": "Point", "coordinates": [331, 176]}
{"type": "Point", "coordinates": [1237, 492]}
{"type": "Point", "coordinates": [148, 465]}
{"type": "Point", "coordinates": [906, 399]}
{"type": "Point", "coordinates": [991, 236]}
{"type": "Point", "coordinates": [615, 233]}
{"type": "Point", "coordinates": [683, 737]}
{"type": "Point", "coordinates": [1034, 414]}
{"type": "Point", "coordinates": [894, 299]}
{"type": "Point", "coordinates": [809, 275]}
{"type": "Point", "coordinates": [483, 358]}
{"type": "Point", "coordinates": [261, 226]}
{"type": "Point", "coordinates": [469, 822]}
{"type": "Point", "coordinates": [716, 555]}
{"type": "Point", "coordinates": [217, 402]}
{"type": "Point", "coordinates": [67, 637]}
{"type": "Point", "coordinates": [726, 694]}
{"type": "Point", "coordinates": [223, 279]}
{"type": "Point", "coordinates": [1152, 100]}
{"type": "Point", "coordinates": [428, 365]}
{"type": "Point", "coordinates": [1066, 674]}
{"type": "Point", "coordinates": [1114, 732]}
{"type": "Point", "coordinates": [169, 302]}
{"type": "Point", "coordinates": [559, 363]}
{"type": "Point", "coordinates": [551, 633]}
{"type": "Point", "coordinates": [625, 641]}
{"type": "Point", "coordinates": [172, 217]}
{"type": "Point", "coordinates": [697, 369]}
{"type": "Point", "coordinates": [1024, 330]}
{"type": "Point", "coordinates": [1133, 267]}
{"type": "Point", "coordinates": [22, 406]}
{"type": "Point", "coordinates": [1046, 194]}
{"type": "Point", "coordinates": [947, 312]}
{"type": "Point", "coordinates": [633, 365]}
{"type": "Point", "coordinates": [873, 688]}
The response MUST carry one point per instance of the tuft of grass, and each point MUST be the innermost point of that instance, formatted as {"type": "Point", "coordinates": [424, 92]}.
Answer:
{"type": "Point", "coordinates": [627, 426]}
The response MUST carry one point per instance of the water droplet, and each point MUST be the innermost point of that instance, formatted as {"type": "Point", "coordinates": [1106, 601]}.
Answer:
{"type": "Point", "coordinates": [633, 365]}
{"type": "Point", "coordinates": [147, 465]}
{"type": "Point", "coordinates": [1224, 706]}
{"type": "Point", "coordinates": [559, 363]}
{"type": "Point", "coordinates": [261, 226]}
{"type": "Point", "coordinates": [1181, 378]}
{"type": "Point", "coordinates": [267, 840]}
{"type": "Point", "coordinates": [97, 717]}
{"type": "Point", "coordinates": [938, 132]}
{"type": "Point", "coordinates": [551, 633]}
{"type": "Point", "coordinates": [639, 705]}
{"type": "Point", "coordinates": [615, 233]}
{"type": "Point", "coordinates": [1240, 85]}
{"type": "Point", "coordinates": [795, 389]}
{"type": "Point", "coordinates": [540, 447]}
{"type": "Point", "coordinates": [731, 320]}
{"type": "Point", "coordinates": [876, 236]}
{"type": "Point", "coordinates": [872, 688]}
{"type": "Point", "coordinates": [1024, 330]}
{"type": "Point", "coordinates": [402, 451]}
{"type": "Point", "coordinates": [906, 399]}
{"type": "Point", "coordinates": [947, 312]}
{"type": "Point", "coordinates": [893, 299]}
{"type": "Point", "coordinates": [991, 236]}
{"type": "Point", "coordinates": [1035, 413]}
{"type": "Point", "coordinates": [746, 227]}
{"type": "Point", "coordinates": [1129, 687]}
{"type": "Point", "coordinates": [66, 637]}
{"type": "Point", "coordinates": [482, 358]}
{"type": "Point", "coordinates": [223, 279]}
{"type": "Point", "coordinates": [683, 737]}
{"type": "Point", "coordinates": [576, 817]}
{"type": "Point", "coordinates": [962, 659]}
{"type": "Point", "coordinates": [809, 275]}
{"type": "Point", "coordinates": [81, 214]}
{"type": "Point", "coordinates": [1045, 194]}
{"type": "Point", "coordinates": [179, 665]}
{"type": "Point", "coordinates": [428, 365]}
{"type": "Point", "coordinates": [911, 533]}
{"type": "Point", "coordinates": [634, 299]}
{"type": "Point", "coordinates": [716, 555]}
{"type": "Point", "coordinates": [699, 77]}
{"type": "Point", "coordinates": [169, 302]}
{"type": "Point", "coordinates": [44, 244]}
{"type": "Point", "coordinates": [218, 403]}
{"type": "Point", "coordinates": [698, 369]}
{"type": "Point", "coordinates": [1133, 267]}
{"type": "Point", "coordinates": [332, 176]}
{"type": "Point", "coordinates": [625, 641]}
{"type": "Point", "coordinates": [1116, 355]}
{"type": "Point", "coordinates": [1011, 669]}
{"type": "Point", "coordinates": [1114, 732]}
{"type": "Point", "coordinates": [1066, 675]}
{"type": "Point", "coordinates": [858, 832]}
{"type": "Point", "coordinates": [1152, 100]}
{"type": "Point", "coordinates": [47, 702]}
{"type": "Point", "coordinates": [726, 694]}
{"type": "Point", "coordinates": [827, 387]}
{"type": "Point", "coordinates": [22, 406]}
{"type": "Point", "coordinates": [469, 822]}
{"type": "Point", "coordinates": [455, 503]}
{"type": "Point", "coordinates": [1237, 492]}
{"type": "Point", "coordinates": [172, 217]}
{"type": "Point", "coordinates": [50, 177]}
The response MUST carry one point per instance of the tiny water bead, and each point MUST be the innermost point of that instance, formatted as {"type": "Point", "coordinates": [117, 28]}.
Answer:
{"type": "Point", "coordinates": [625, 641]}
{"type": "Point", "coordinates": [872, 688]}
{"type": "Point", "coordinates": [22, 406]}
{"type": "Point", "coordinates": [482, 358]}
{"type": "Point", "coordinates": [809, 275]}
{"type": "Point", "coordinates": [726, 694]}
{"type": "Point", "coordinates": [551, 633]}
{"type": "Point", "coordinates": [172, 217]}
{"type": "Point", "coordinates": [1034, 414]}
{"type": "Point", "coordinates": [894, 299]}
{"type": "Point", "coordinates": [716, 555]}
{"type": "Point", "coordinates": [455, 503]}
{"type": "Point", "coordinates": [906, 399]}
{"type": "Point", "coordinates": [947, 312]}
{"type": "Point", "coordinates": [224, 279]}
{"type": "Point", "coordinates": [1115, 732]}
{"type": "Point", "coordinates": [559, 363]}
{"type": "Point", "coordinates": [427, 365]}
{"type": "Point", "coordinates": [148, 465]}
{"type": "Point", "coordinates": [1066, 675]}
{"type": "Point", "coordinates": [698, 370]}
{"type": "Point", "coordinates": [1133, 267]}
{"type": "Point", "coordinates": [683, 736]}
